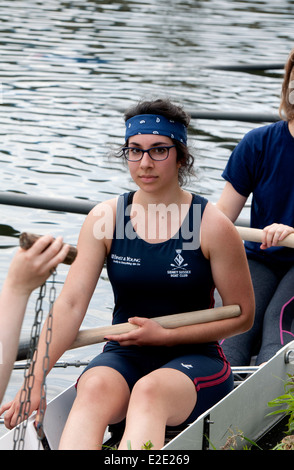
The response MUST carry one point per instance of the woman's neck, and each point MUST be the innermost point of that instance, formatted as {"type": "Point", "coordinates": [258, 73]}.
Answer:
{"type": "Point", "coordinates": [173, 196]}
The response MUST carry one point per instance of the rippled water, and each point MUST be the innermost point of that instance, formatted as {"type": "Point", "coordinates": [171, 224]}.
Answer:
{"type": "Point", "coordinates": [69, 69]}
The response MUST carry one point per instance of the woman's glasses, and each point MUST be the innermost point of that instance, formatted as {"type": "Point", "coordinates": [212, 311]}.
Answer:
{"type": "Point", "coordinates": [134, 154]}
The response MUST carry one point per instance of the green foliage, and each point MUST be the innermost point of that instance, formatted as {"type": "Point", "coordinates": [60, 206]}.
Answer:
{"type": "Point", "coordinates": [286, 402]}
{"type": "Point", "coordinates": [147, 446]}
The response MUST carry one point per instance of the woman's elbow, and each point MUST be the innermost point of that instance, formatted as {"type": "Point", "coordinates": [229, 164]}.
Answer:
{"type": "Point", "coordinates": [247, 315]}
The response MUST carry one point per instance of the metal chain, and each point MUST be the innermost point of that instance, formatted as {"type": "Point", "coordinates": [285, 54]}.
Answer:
{"type": "Point", "coordinates": [46, 358]}
{"type": "Point", "coordinates": [29, 378]}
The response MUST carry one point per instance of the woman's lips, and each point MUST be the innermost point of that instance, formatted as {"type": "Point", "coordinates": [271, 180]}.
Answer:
{"type": "Point", "coordinates": [148, 178]}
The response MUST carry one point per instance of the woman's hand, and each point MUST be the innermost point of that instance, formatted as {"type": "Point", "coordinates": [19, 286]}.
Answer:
{"type": "Point", "coordinates": [274, 233]}
{"type": "Point", "coordinates": [12, 408]}
{"type": "Point", "coordinates": [148, 333]}
{"type": "Point", "coordinates": [30, 268]}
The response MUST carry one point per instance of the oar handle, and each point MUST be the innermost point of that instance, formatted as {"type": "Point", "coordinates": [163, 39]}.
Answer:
{"type": "Point", "coordinates": [97, 335]}
{"type": "Point", "coordinates": [26, 240]}
{"type": "Point", "coordinates": [255, 235]}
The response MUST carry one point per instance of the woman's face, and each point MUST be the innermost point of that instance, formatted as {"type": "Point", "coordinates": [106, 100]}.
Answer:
{"type": "Point", "coordinates": [152, 175]}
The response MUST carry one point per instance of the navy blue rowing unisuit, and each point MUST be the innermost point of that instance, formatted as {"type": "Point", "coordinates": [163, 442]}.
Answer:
{"type": "Point", "coordinates": [155, 279]}
{"type": "Point", "coordinates": [151, 280]}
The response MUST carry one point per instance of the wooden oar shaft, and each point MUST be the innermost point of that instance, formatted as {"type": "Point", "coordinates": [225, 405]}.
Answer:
{"type": "Point", "coordinates": [255, 235]}
{"type": "Point", "coordinates": [97, 335]}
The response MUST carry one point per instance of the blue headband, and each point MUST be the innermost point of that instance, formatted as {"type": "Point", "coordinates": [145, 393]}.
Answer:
{"type": "Point", "coordinates": [156, 124]}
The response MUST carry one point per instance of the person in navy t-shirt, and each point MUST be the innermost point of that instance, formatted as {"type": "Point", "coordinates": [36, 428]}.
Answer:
{"type": "Point", "coordinates": [262, 164]}
{"type": "Point", "coordinates": [166, 249]}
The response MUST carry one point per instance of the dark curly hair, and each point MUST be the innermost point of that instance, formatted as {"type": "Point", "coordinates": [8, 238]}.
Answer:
{"type": "Point", "coordinates": [286, 109]}
{"type": "Point", "coordinates": [166, 108]}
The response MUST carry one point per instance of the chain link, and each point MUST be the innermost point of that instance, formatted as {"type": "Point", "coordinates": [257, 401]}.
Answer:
{"type": "Point", "coordinates": [29, 378]}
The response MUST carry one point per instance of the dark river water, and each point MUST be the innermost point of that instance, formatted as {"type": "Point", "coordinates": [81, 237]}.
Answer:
{"type": "Point", "coordinates": [69, 69]}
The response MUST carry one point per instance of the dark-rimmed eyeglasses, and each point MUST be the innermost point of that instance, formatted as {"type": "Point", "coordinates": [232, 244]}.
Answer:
{"type": "Point", "coordinates": [134, 154]}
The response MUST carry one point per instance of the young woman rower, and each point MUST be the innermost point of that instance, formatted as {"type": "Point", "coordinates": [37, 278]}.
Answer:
{"type": "Point", "coordinates": [166, 250]}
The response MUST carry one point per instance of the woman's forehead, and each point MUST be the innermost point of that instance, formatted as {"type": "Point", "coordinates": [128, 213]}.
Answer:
{"type": "Point", "coordinates": [150, 139]}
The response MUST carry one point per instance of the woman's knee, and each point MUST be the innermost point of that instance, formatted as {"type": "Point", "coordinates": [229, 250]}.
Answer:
{"type": "Point", "coordinates": [147, 389]}
{"type": "Point", "coordinates": [104, 393]}
{"type": "Point", "coordinates": [90, 384]}
{"type": "Point", "coordinates": [100, 383]}
{"type": "Point", "coordinates": [161, 392]}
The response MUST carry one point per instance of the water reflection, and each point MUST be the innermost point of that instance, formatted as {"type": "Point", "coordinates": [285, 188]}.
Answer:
{"type": "Point", "coordinates": [68, 69]}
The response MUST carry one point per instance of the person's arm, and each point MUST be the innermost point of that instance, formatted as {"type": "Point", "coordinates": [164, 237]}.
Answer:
{"type": "Point", "coordinates": [222, 245]}
{"type": "Point", "coordinates": [28, 270]}
{"type": "Point", "coordinates": [231, 202]}
{"type": "Point", "coordinates": [71, 306]}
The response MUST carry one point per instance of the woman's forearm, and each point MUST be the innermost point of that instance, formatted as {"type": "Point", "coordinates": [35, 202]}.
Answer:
{"type": "Point", "coordinates": [12, 310]}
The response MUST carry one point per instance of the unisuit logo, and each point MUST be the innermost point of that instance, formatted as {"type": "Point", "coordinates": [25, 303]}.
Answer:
{"type": "Point", "coordinates": [178, 267]}
{"type": "Point", "coordinates": [126, 260]}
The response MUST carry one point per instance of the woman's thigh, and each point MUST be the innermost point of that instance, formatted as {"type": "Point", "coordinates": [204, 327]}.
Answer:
{"type": "Point", "coordinates": [239, 349]}
{"type": "Point", "coordinates": [278, 326]}
{"type": "Point", "coordinates": [167, 394]}
{"type": "Point", "coordinates": [211, 377]}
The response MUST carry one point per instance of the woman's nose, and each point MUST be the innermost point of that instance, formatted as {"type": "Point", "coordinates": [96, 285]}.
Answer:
{"type": "Point", "coordinates": [146, 161]}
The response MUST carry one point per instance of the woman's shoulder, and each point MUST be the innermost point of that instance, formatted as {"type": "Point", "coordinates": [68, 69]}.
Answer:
{"type": "Point", "coordinates": [101, 218]}
{"type": "Point", "coordinates": [217, 230]}
{"type": "Point", "coordinates": [104, 206]}
{"type": "Point", "coordinates": [214, 220]}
